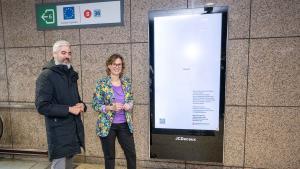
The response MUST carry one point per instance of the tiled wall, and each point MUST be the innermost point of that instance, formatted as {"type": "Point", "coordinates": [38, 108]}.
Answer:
{"type": "Point", "coordinates": [262, 81]}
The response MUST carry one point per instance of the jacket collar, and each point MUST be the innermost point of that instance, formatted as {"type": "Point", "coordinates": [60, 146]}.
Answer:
{"type": "Point", "coordinates": [60, 69]}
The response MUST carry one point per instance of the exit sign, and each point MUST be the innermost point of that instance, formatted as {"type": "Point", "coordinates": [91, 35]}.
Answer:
{"type": "Point", "coordinates": [79, 15]}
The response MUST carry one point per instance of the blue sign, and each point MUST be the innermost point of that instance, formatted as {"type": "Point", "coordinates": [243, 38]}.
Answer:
{"type": "Point", "coordinates": [69, 13]}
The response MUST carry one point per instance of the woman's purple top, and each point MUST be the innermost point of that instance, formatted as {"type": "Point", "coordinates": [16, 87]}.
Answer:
{"type": "Point", "coordinates": [119, 97]}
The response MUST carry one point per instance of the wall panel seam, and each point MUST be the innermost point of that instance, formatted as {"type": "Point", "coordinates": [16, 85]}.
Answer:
{"type": "Point", "coordinates": [246, 111]}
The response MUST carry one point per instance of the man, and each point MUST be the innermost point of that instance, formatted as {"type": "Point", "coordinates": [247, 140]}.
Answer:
{"type": "Point", "coordinates": [57, 98]}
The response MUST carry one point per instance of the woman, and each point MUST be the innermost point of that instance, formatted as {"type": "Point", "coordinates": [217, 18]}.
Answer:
{"type": "Point", "coordinates": [114, 101]}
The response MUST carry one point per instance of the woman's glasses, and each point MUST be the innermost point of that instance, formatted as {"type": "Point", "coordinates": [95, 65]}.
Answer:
{"type": "Point", "coordinates": [117, 65]}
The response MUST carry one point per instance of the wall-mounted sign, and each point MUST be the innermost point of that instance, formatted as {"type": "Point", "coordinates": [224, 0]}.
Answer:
{"type": "Point", "coordinates": [79, 15]}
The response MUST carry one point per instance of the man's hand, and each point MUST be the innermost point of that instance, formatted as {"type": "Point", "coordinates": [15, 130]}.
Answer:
{"type": "Point", "coordinates": [77, 109]}
{"type": "Point", "coordinates": [81, 105]}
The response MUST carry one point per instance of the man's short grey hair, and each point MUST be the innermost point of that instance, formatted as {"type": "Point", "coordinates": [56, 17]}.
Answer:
{"type": "Point", "coordinates": [58, 44]}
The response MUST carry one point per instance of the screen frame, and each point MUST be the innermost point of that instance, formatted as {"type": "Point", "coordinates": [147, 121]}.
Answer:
{"type": "Point", "coordinates": [202, 11]}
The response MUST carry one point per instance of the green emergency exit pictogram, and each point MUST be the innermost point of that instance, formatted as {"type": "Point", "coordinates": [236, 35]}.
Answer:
{"type": "Point", "coordinates": [49, 16]}
{"type": "Point", "coordinates": [46, 16]}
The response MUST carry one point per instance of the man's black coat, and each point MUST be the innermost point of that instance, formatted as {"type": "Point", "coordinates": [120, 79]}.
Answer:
{"type": "Point", "coordinates": [56, 91]}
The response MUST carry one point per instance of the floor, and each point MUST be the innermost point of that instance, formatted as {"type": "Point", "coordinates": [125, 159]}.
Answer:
{"type": "Point", "coordinates": [6, 163]}
{"type": "Point", "coordinates": [22, 164]}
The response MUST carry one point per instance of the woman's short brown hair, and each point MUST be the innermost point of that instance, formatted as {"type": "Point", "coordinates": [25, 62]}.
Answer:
{"type": "Point", "coordinates": [111, 60]}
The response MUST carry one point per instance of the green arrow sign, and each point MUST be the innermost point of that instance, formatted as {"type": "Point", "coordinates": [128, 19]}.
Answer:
{"type": "Point", "coordinates": [46, 16]}
{"type": "Point", "coordinates": [49, 16]}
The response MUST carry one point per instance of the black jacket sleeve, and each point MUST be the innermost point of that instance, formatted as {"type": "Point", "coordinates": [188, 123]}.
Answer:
{"type": "Point", "coordinates": [80, 101]}
{"type": "Point", "coordinates": [44, 96]}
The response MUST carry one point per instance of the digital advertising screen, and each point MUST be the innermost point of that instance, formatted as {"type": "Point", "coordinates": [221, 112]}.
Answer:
{"type": "Point", "coordinates": [187, 72]}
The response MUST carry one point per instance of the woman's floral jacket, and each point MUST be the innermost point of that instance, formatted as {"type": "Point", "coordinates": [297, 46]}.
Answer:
{"type": "Point", "coordinates": [104, 96]}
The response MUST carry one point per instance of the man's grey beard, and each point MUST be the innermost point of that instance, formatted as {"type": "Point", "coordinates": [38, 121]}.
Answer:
{"type": "Point", "coordinates": [58, 63]}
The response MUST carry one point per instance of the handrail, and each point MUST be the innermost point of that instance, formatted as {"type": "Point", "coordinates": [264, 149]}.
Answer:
{"type": "Point", "coordinates": [1, 127]}
{"type": "Point", "coordinates": [17, 105]}
{"type": "Point", "coordinates": [10, 151]}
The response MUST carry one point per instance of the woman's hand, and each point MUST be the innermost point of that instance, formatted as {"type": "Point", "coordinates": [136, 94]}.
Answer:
{"type": "Point", "coordinates": [126, 107]}
{"type": "Point", "coordinates": [116, 107]}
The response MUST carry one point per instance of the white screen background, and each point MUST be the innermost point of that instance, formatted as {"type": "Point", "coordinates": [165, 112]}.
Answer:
{"type": "Point", "coordinates": [187, 52]}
